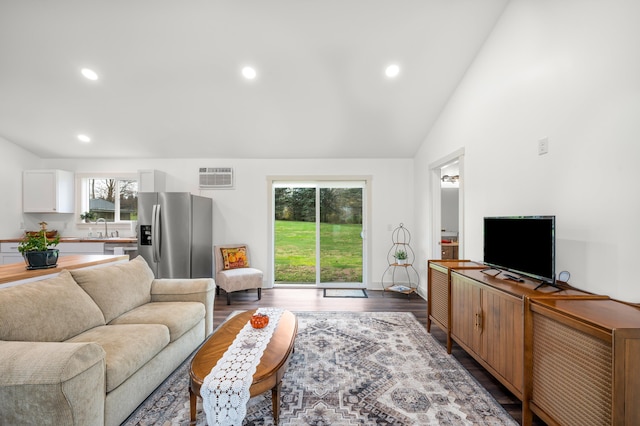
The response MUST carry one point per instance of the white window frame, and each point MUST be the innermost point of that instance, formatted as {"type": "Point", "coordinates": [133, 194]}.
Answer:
{"type": "Point", "coordinates": [317, 181]}
{"type": "Point", "coordinates": [82, 196]}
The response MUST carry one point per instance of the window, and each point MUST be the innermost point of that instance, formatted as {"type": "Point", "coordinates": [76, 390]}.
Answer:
{"type": "Point", "coordinates": [111, 197]}
{"type": "Point", "coordinates": [318, 231]}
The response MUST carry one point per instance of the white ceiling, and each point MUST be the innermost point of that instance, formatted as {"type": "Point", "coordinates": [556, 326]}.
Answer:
{"type": "Point", "coordinates": [171, 86]}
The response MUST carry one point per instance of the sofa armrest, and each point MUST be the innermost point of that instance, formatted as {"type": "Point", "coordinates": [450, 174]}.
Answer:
{"type": "Point", "coordinates": [52, 383]}
{"type": "Point", "coordinates": [187, 290]}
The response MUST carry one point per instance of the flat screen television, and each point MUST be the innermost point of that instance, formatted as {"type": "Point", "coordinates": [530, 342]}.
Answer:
{"type": "Point", "coordinates": [525, 245]}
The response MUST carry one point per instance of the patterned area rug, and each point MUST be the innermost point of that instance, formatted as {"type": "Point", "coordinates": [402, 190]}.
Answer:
{"type": "Point", "coordinates": [353, 368]}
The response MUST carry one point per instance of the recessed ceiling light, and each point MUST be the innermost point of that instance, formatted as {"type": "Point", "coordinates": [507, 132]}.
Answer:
{"type": "Point", "coordinates": [84, 138]}
{"type": "Point", "coordinates": [249, 73]}
{"type": "Point", "coordinates": [392, 71]}
{"type": "Point", "coordinates": [89, 74]}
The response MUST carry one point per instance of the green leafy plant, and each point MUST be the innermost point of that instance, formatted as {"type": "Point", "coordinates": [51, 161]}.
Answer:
{"type": "Point", "coordinates": [38, 241]}
{"type": "Point", "coordinates": [88, 216]}
{"type": "Point", "coordinates": [400, 255]}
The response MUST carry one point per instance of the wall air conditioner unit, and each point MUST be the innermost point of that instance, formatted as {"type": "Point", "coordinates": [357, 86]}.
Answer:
{"type": "Point", "coordinates": [216, 178]}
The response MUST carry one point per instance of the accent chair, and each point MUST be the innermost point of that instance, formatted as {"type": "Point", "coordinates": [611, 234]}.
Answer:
{"type": "Point", "coordinates": [234, 271]}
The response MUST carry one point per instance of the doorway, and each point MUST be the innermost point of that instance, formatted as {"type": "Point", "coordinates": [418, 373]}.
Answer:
{"type": "Point", "coordinates": [447, 195]}
{"type": "Point", "coordinates": [318, 233]}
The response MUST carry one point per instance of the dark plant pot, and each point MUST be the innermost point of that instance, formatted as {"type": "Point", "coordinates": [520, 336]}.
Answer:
{"type": "Point", "coordinates": [41, 259]}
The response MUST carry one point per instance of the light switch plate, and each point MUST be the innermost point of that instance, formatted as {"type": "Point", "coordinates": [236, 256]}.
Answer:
{"type": "Point", "coordinates": [543, 146]}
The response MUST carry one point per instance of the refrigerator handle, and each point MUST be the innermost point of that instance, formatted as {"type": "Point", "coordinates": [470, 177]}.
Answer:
{"type": "Point", "coordinates": [155, 232]}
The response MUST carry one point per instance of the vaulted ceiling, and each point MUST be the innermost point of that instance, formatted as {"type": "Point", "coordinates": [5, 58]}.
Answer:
{"type": "Point", "coordinates": [170, 82]}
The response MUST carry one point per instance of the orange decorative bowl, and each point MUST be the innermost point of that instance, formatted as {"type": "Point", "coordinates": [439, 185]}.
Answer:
{"type": "Point", "coordinates": [259, 320]}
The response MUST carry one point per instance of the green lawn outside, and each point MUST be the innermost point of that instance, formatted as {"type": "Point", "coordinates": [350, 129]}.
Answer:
{"type": "Point", "coordinates": [295, 256]}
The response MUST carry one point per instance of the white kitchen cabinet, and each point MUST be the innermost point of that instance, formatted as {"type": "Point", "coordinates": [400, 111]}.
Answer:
{"type": "Point", "coordinates": [80, 248]}
{"type": "Point", "coordinates": [47, 191]}
{"type": "Point", "coordinates": [11, 258]}
{"type": "Point", "coordinates": [9, 251]}
{"type": "Point", "coordinates": [151, 181]}
{"type": "Point", "coordinates": [121, 248]}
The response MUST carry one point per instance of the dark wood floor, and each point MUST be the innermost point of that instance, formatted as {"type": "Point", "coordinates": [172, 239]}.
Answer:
{"type": "Point", "coordinates": [301, 300]}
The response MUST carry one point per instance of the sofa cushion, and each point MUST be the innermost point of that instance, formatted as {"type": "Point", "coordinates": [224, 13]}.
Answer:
{"type": "Point", "coordinates": [128, 347]}
{"type": "Point", "coordinates": [239, 279]}
{"type": "Point", "coordinates": [118, 288]}
{"type": "Point", "coordinates": [50, 310]}
{"type": "Point", "coordinates": [179, 317]}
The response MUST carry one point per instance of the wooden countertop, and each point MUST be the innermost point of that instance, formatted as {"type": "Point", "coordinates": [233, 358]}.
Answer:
{"type": "Point", "coordinates": [457, 264]}
{"type": "Point", "coordinates": [18, 271]}
{"type": "Point", "coordinates": [80, 240]}
{"type": "Point", "coordinates": [600, 311]}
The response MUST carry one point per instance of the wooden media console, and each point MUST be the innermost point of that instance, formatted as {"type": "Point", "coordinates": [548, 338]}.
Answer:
{"type": "Point", "coordinates": [549, 346]}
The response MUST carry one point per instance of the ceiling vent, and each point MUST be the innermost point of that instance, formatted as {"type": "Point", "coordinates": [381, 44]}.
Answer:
{"type": "Point", "coordinates": [216, 178]}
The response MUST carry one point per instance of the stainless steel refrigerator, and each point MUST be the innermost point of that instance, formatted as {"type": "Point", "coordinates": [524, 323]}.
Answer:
{"type": "Point", "coordinates": [175, 234]}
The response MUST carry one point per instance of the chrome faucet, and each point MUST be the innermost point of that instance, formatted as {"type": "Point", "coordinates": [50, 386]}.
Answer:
{"type": "Point", "coordinates": [102, 219]}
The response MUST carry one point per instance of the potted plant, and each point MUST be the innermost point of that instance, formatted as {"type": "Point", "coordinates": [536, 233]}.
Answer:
{"type": "Point", "coordinates": [37, 248]}
{"type": "Point", "coordinates": [88, 217]}
{"type": "Point", "coordinates": [401, 257]}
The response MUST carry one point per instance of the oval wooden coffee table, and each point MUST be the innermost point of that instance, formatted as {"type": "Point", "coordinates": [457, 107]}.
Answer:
{"type": "Point", "coordinates": [272, 365]}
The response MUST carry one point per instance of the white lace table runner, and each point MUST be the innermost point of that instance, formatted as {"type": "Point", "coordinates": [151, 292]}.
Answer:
{"type": "Point", "coordinates": [225, 390]}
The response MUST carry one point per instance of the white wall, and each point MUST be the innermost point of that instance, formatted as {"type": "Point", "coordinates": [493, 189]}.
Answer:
{"type": "Point", "coordinates": [13, 160]}
{"type": "Point", "coordinates": [240, 215]}
{"type": "Point", "coordinates": [568, 70]}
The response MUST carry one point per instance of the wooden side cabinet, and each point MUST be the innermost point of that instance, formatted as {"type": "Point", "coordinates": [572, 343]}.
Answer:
{"type": "Point", "coordinates": [582, 361]}
{"type": "Point", "coordinates": [488, 324]}
{"type": "Point", "coordinates": [449, 251]}
{"type": "Point", "coordinates": [439, 292]}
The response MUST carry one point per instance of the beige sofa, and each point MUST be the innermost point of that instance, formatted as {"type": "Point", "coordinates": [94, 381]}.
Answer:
{"type": "Point", "coordinates": [88, 346]}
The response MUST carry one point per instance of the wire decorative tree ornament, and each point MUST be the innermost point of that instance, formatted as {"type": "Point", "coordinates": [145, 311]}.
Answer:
{"type": "Point", "coordinates": [402, 256]}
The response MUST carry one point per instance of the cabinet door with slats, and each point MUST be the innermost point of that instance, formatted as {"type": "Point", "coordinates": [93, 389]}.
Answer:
{"type": "Point", "coordinates": [466, 322]}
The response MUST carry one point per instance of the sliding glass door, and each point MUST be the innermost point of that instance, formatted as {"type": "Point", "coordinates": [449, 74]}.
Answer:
{"type": "Point", "coordinates": [340, 226]}
{"type": "Point", "coordinates": [318, 230]}
{"type": "Point", "coordinates": [294, 233]}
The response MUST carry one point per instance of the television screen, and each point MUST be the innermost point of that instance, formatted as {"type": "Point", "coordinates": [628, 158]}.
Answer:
{"type": "Point", "coordinates": [521, 244]}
